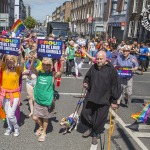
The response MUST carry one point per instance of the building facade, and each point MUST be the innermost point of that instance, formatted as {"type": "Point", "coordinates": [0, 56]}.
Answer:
{"type": "Point", "coordinates": [28, 10]}
{"type": "Point", "coordinates": [19, 10]}
{"type": "Point", "coordinates": [82, 16]}
{"type": "Point", "coordinates": [117, 18]}
{"type": "Point", "coordinates": [99, 21]}
{"type": "Point", "coordinates": [62, 13]}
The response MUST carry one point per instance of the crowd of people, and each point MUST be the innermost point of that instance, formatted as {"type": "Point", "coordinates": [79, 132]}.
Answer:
{"type": "Point", "coordinates": [108, 82]}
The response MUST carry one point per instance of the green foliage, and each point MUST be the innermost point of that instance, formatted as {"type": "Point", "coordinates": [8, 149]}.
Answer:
{"type": "Point", "coordinates": [68, 19]}
{"type": "Point", "coordinates": [30, 22]}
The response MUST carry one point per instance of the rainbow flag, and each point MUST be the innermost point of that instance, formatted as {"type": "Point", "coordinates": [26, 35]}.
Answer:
{"type": "Point", "coordinates": [18, 27]}
{"type": "Point", "coordinates": [142, 116]}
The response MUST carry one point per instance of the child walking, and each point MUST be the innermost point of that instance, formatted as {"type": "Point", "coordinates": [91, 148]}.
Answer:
{"type": "Point", "coordinates": [44, 94]}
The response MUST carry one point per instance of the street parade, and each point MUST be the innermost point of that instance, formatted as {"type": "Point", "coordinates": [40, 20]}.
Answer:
{"type": "Point", "coordinates": [62, 88]}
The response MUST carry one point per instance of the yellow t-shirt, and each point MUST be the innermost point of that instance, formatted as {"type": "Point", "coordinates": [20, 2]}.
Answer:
{"type": "Point", "coordinates": [10, 80]}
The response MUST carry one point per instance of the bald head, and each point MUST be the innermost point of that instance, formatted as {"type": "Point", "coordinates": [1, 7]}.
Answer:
{"type": "Point", "coordinates": [101, 58]}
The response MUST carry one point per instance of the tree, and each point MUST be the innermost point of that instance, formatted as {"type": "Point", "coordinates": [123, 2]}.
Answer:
{"type": "Point", "coordinates": [30, 22]}
{"type": "Point", "coordinates": [68, 19]}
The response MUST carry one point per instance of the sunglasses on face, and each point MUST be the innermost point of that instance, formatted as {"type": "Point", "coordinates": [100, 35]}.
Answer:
{"type": "Point", "coordinates": [47, 65]}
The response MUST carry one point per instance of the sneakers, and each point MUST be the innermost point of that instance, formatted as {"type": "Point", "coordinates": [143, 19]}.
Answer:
{"type": "Point", "coordinates": [16, 132]}
{"type": "Point", "coordinates": [8, 131]}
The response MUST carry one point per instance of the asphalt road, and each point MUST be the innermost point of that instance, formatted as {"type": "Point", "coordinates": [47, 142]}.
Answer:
{"type": "Point", "coordinates": [122, 138]}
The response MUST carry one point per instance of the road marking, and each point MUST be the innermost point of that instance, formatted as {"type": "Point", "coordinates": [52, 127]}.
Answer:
{"type": "Point", "coordinates": [142, 126]}
{"type": "Point", "coordinates": [83, 68]}
{"type": "Point", "coordinates": [129, 131]}
{"type": "Point", "coordinates": [93, 147]}
{"type": "Point", "coordinates": [140, 97]}
{"type": "Point", "coordinates": [142, 81]}
{"type": "Point", "coordinates": [72, 94]}
{"type": "Point", "coordinates": [142, 135]}
{"type": "Point", "coordinates": [72, 78]}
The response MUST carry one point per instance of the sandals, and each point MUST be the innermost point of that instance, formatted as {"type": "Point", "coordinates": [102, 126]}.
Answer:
{"type": "Point", "coordinates": [42, 137]}
{"type": "Point", "coordinates": [39, 132]}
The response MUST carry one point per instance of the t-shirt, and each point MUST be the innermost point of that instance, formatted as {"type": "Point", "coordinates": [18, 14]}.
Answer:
{"type": "Point", "coordinates": [143, 50]}
{"type": "Point", "coordinates": [92, 46]}
{"type": "Point", "coordinates": [10, 80]}
{"type": "Point", "coordinates": [70, 51]}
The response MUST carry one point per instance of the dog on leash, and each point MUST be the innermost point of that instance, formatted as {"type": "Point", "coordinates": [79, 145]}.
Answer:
{"type": "Point", "coordinates": [70, 122]}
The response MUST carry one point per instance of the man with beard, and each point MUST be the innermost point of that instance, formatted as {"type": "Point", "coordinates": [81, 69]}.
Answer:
{"type": "Point", "coordinates": [103, 90]}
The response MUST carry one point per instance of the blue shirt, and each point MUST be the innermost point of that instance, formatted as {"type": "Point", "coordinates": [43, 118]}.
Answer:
{"type": "Point", "coordinates": [108, 54]}
{"type": "Point", "coordinates": [130, 62]}
{"type": "Point", "coordinates": [143, 50]}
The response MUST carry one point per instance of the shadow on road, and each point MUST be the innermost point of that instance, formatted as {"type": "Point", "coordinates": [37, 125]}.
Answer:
{"type": "Point", "coordinates": [125, 138]}
{"type": "Point", "coordinates": [140, 101]}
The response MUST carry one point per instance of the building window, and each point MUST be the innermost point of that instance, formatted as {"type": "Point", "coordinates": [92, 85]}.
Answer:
{"type": "Point", "coordinates": [114, 7]}
{"type": "Point", "coordinates": [137, 28]}
{"type": "Point", "coordinates": [131, 29]}
{"type": "Point", "coordinates": [135, 6]}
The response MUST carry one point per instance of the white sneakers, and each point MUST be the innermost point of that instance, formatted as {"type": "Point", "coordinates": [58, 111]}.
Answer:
{"type": "Point", "coordinates": [9, 131]}
{"type": "Point", "coordinates": [16, 132]}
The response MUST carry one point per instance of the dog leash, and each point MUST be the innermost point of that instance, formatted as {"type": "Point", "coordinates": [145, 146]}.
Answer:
{"type": "Point", "coordinates": [83, 93]}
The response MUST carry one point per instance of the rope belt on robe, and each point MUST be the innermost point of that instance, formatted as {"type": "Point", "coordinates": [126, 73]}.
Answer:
{"type": "Point", "coordinates": [10, 92]}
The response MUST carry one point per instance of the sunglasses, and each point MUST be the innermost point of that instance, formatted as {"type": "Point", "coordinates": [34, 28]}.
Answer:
{"type": "Point", "coordinates": [46, 64]}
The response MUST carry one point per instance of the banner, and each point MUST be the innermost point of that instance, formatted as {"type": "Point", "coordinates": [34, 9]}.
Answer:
{"type": "Point", "coordinates": [49, 48]}
{"type": "Point", "coordinates": [81, 41]}
{"type": "Point", "coordinates": [9, 46]}
{"type": "Point", "coordinates": [146, 18]}
{"type": "Point", "coordinates": [124, 72]}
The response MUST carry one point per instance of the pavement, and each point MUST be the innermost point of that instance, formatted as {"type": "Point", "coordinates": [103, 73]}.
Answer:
{"type": "Point", "coordinates": [68, 94]}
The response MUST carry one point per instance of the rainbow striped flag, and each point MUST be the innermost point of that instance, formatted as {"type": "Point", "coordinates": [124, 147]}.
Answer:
{"type": "Point", "coordinates": [18, 27]}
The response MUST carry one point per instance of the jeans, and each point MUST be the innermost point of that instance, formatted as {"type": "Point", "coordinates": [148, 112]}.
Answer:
{"type": "Point", "coordinates": [93, 53]}
{"type": "Point", "coordinates": [69, 65]}
{"type": "Point", "coordinates": [10, 113]}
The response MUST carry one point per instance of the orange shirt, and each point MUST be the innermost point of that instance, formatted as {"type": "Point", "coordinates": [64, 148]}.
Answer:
{"type": "Point", "coordinates": [10, 80]}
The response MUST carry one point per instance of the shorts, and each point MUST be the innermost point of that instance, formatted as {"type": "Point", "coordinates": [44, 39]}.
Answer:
{"type": "Point", "coordinates": [42, 111]}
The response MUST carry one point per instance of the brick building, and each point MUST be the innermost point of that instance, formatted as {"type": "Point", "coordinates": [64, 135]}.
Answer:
{"type": "Point", "coordinates": [82, 16]}
{"type": "Point", "coordinates": [62, 13]}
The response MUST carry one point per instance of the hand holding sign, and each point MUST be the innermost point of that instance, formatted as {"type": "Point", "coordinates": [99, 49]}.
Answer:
{"type": "Point", "coordinates": [49, 48]}
{"type": "Point", "coordinates": [9, 46]}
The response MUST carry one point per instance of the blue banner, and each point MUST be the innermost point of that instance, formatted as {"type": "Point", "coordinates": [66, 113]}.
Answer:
{"type": "Point", "coordinates": [49, 48]}
{"type": "Point", "coordinates": [9, 46]}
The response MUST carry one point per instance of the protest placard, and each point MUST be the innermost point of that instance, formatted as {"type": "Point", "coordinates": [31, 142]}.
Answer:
{"type": "Point", "coordinates": [49, 48]}
{"type": "Point", "coordinates": [124, 72]}
{"type": "Point", "coordinates": [9, 46]}
{"type": "Point", "coordinates": [81, 41]}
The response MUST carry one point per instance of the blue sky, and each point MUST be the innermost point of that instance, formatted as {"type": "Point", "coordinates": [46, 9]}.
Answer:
{"type": "Point", "coordinates": [41, 8]}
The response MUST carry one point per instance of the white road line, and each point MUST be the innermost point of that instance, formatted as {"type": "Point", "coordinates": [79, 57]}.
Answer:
{"type": "Point", "coordinates": [94, 147]}
{"type": "Point", "coordinates": [79, 94]}
{"type": "Point", "coordinates": [72, 94]}
{"type": "Point", "coordinates": [142, 126]}
{"type": "Point", "coordinates": [83, 68]}
{"type": "Point", "coordinates": [142, 81]}
{"type": "Point", "coordinates": [138, 96]}
{"type": "Point", "coordinates": [72, 78]}
{"type": "Point", "coordinates": [129, 131]}
{"type": "Point", "coordinates": [142, 135]}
